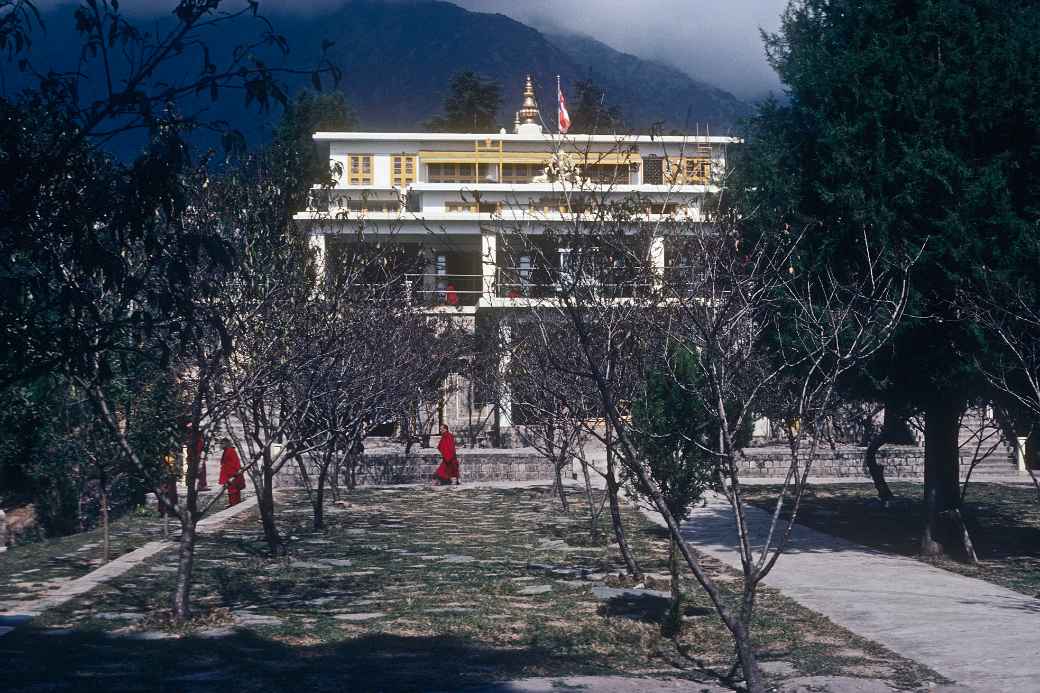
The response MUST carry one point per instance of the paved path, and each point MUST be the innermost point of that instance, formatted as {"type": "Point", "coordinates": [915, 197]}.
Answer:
{"type": "Point", "coordinates": [978, 634]}
{"type": "Point", "coordinates": [1010, 478]}
{"type": "Point", "coordinates": [13, 614]}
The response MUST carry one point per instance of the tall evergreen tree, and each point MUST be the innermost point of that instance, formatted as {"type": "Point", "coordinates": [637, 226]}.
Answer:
{"type": "Point", "coordinates": [471, 105]}
{"type": "Point", "coordinates": [909, 125]}
{"type": "Point", "coordinates": [308, 113]}
{"type": "Point", "coordinates": [590, 113]}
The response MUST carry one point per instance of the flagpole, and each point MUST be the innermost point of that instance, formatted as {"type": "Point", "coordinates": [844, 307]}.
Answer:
{"type": "Point", "coordinates": [558, 92]}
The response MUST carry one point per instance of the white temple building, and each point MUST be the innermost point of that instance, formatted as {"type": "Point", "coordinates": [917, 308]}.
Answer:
{"type": "Point", "coordinates": [456, 197]}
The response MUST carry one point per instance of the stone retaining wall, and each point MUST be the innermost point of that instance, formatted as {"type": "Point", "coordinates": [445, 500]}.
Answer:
{"type": "Point", "coordinates": [396, 468]}
{"type": "Point", "coordinates": [899, 462]}
{"type": "Point", "coordinates": [526, 465]}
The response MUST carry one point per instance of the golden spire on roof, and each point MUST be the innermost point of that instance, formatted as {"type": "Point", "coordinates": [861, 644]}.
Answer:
{"type": "Point", "coordinates": [529, 110]}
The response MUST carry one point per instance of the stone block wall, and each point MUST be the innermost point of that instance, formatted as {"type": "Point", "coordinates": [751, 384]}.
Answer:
{"type": "Point", "coordinates": [899, 462]}
{"type": "Point", "coordinates": [475, 465]}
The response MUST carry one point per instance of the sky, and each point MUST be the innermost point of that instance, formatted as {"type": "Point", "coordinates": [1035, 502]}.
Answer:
{"type": "Point", "coordinates": [715, 41]}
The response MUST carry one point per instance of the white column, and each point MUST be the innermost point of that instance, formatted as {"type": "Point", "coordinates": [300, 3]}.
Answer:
{"type": "Point", "coordinates": [657, 261]}
{"type": "Point", "coordinates": [1020, 453]}
{"type": "Point", "coordinates": [505, 397]}
{"type": "Point", "coordinates": [317, 244]}
{"type": "Point", "coordinates": [488, 263]}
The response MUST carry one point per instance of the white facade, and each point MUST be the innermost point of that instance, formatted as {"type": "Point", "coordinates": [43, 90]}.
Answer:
{"type": "Point", "coordinates": [457, 195]}
{"type": "Point", "coordinates": [463, 203]}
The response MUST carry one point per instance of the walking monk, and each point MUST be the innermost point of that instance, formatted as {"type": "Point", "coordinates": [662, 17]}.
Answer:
{"type": "Point", "coordinates": [449, 468]}
{"type": "Point", "coordinates": [231, 473]}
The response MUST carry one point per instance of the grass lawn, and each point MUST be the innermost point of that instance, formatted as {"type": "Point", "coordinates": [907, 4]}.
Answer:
{"type": "Point", "coordinates": [412, 589]}
{"type": "Point", "coordinates": [1004, 523]}
{"type": "Point", "coordinates": [30, 569]}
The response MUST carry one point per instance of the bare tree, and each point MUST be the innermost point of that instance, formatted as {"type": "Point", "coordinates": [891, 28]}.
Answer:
{"type": "Point", "coordinates": [985, 436]}
{"type": "Point", "coordinates": [378, 348]}
{"type": "Point", "coordinates": [104, 258]}
{"type": "Point", "coordinates": [557, 409]}
{"type": "Point", "coordinates": [1009, 309]}
{"type": "Point", "coordinates": [763, 336]}
{"type": "Point", "coordinates": [553, 381]}
{"type": "Point", "coordinates": [187, 333]}
{"type": "Point", "coordinates": [273, 375]}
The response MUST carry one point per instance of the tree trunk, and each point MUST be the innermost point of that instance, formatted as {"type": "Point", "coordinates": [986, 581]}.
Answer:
{"type": "Point", "coordinates": [352, 465]}
{"type": "Point", "coordinates": [748, 661]}
{"type": "Point", "coordinates": [185, 564]}
{"type": "Point", "coordinates": [615, 519]}
{"type": "Point", "coordinates": [104, 524]}
{"type": "Point", "coordinates": [941, 477]}
{"type": "Point", "coordinates": [558, 487]}
{"type": "Point", "coordinates": [590, 499]}
{"type": "Point", "coordinates": [334, 477]}
{"type": "Point", "coordinates": [673, 619]}
{"type": "Point", "coordinates": [319, 500]}
{"type": "Point", "coordinates": [265, 502]}
{"type": "Point", "coordinates": [877, 471]}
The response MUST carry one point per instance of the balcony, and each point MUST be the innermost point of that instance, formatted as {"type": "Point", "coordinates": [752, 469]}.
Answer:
{"type": "Point", "coordinates": [354, 202]}
{"type": "Point", "coordinates": [519, 283]}
{"type": "Point", "coordinates": [431, 290]}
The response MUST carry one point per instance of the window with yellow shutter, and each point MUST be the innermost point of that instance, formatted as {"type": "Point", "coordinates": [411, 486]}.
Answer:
{"type": "Point", "coordinates": [402, 170]}
{"type": "Point", "coordinates": [359, 169]}
{"type": "Point", "coordinates": [688, 171]}
{"type": "Point", "coordinates": [698, 170]}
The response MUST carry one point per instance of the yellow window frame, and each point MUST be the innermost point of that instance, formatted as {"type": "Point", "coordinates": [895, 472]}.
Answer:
{"type": "Point", "coordinates": [402, 169]}
{"type": "Point", "coordinates": [359, 169]}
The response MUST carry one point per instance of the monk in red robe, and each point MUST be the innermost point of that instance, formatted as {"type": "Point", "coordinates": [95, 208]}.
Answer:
{"type": "Point", "coordinates": [449, 467]}
{"type": "Point", "coordinates": [231, 475]}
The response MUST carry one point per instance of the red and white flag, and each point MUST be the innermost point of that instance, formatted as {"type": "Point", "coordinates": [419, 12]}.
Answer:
{"type": "Point", "coordinates": [563, 117]}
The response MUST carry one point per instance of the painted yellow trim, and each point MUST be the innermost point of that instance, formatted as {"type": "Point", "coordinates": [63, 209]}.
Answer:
{"type": "Point", "coordinates": [493, 157]}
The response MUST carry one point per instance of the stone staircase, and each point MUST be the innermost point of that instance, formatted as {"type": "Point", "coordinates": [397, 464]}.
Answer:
{"type": "Point", "coordinates": [999, 462]}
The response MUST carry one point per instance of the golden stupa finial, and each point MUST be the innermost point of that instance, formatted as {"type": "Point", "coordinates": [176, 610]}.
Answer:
{"type": "Point", "coordinates": [529, 110]}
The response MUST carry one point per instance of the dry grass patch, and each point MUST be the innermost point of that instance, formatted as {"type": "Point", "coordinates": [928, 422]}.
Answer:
{"type": "Point", "coordinates": [442, 569]}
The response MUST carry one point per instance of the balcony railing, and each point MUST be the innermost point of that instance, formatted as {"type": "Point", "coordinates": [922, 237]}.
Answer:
{"type": "Point", "coordinates": [431, 289]}
{"type": "Point", "coordinates": [339, 201]}
{"type": "Point", "coordinates": [530, 282]}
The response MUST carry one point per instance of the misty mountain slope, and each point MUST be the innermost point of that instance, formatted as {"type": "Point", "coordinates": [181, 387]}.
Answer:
{"type": "Point", "coordinates": [653, 91]}
{"type": "Point", "coordinates": [398, 58]}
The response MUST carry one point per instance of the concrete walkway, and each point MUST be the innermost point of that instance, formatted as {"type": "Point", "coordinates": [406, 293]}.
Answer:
{"type": "Point", "coordinates": [975, 633]}
{"type": "Point", "coordinates": [16, 613]}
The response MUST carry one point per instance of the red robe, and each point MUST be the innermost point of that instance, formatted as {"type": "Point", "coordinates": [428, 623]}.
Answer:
{"type": "Point", "coordinates": [449, 468]}
{"type": "Point", "coordinates": [230, 473]}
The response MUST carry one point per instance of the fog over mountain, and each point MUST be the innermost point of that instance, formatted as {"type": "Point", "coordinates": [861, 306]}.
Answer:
{"type": "Point", "coordinates": [714, 42]}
